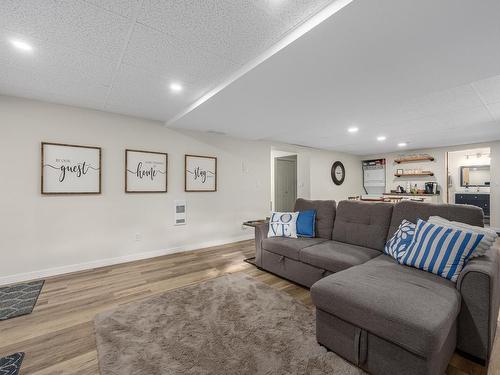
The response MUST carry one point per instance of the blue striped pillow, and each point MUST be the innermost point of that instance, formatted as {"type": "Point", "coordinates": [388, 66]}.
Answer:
{"type": "Point", "coordinates": [440, 250]}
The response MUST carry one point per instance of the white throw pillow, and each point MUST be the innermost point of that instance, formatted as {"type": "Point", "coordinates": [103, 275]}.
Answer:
{"type": "Point", "coordinates": [283, 224]}
{"type": "Point", "coordinates": [490, 236]}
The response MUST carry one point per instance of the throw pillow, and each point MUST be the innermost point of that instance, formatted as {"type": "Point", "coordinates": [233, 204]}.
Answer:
{"type": "Point", "coordinates": [398, 243]}
{"type": "Point", "coordinates": [283, 224]}
{"type": "Point", "coordinates": [440, 250]}
{"type": "Point", "coordinates": [490, 236]}
{"type": "Point", "coordinates": [305, 223]}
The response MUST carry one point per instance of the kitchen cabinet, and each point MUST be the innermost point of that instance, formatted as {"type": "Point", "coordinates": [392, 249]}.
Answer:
{"type": "Point", "coordinates": [481, 200]}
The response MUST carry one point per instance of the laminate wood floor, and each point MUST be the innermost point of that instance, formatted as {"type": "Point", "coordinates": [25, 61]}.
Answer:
{"type": "Point", "coordinates": [58, 337]}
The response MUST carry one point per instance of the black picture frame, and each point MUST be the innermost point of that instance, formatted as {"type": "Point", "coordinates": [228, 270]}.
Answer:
{"type": "Point", "coordinates": [336, 180]}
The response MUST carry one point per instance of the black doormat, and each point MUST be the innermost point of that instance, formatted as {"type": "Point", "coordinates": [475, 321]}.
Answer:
{"type": "Point", "coordinates": [11, 364]}
{"type": "Point", "coordinates": [19, 299]}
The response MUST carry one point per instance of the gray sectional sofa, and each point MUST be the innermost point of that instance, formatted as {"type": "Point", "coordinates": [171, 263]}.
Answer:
{"type": "Point", "coordinates": [384, 317]}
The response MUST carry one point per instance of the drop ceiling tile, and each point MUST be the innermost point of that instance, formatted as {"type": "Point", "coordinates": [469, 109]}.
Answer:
{"type": "Point", "coordinates": [62, 89]}
{"type": "Point", "coordinates": [464, 117]}
{"type": "Point", "coordinates": [236, 31]}
{"type": "Point", "coordinates": [489, 89]}
{"type": "Point", "coordinates": [473, 133]}
{"type": "Point", "coordinates": [494, 109]}
{"type": "Point", "coordinates": [168, 57]}
{"type": "Point", "coordinates": [54, 62]}
{"type": "Point", "coordinates": [449, 100]}
{"type": "Point", "coordinates": [396, 114]}
{"type": "Point", "coordinates": [139, 93]}
{"type": "Point", "coordinates": [76, 24]}
{"type": "Point", "coordinates": [290, 12]}
{"type": "Point", "coordinates": [125, 8]}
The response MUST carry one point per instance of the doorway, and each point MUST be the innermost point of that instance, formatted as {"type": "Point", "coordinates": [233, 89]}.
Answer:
{"type": "Point", "coordinates": [469, 178]}
{"type": "Point", "coordinates": [285, 183]}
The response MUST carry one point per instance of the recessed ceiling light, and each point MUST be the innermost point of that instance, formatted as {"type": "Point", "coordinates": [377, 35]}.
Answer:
{"type": "Point", "coordinates": [402, 144]}
{"type": "Point", "coordinates": [21, 45]}
{"type": "Point", "coordinates": [176, 87]}
{"type": "Point", "coordinates": [353, 129]}
{"type": "Point", "coordinates": [381, 138]}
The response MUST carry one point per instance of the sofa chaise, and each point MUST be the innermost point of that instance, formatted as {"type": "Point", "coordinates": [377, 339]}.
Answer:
{"type": "Point", "coordinates": [384, 317]}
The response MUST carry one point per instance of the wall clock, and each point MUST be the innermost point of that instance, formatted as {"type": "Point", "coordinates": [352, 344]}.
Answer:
{"type": "Point", "coordinates": [338, 173]}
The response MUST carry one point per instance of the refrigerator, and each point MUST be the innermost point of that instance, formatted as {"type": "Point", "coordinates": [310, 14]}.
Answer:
{"type": "Point", "coordinates": [374, 177]}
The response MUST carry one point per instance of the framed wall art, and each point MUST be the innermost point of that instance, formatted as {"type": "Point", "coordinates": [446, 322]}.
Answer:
{"type": "Point", "coordinates": [200, 173]}
{"type": "Point", "coordinates": [146, 171]}
{"type": "Point", "coordinates": [70, 169]}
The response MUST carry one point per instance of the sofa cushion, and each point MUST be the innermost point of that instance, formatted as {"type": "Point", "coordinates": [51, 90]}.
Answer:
{"type": "Point", "coordinates": [289, 247]}
{"type": "Point", "coordinates": [325, 215]}
{"type": "Point", "coordinates": [412, 308]}
{"type": "Point", "coordinates": [363, 223]}
{"type": "Point", "coordinates": [440, 250]}
{"type": "Point", "coordinates": [336, 256]}
{"type": "Point", "coordinates": [412, 211]}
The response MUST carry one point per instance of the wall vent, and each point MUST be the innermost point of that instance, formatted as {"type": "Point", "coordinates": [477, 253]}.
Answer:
{"type": "Point", "coordinates": [180, 212]}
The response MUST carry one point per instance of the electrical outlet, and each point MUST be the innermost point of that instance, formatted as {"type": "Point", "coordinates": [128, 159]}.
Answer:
{"type": "Point", "coordinates": [138, 237]}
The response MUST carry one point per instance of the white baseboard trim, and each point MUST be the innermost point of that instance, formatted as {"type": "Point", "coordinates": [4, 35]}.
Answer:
{"type": "Point", "coordinates": [48, 272]}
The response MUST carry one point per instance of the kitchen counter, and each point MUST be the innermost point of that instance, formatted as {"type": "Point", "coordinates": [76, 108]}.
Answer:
{"type": "Point", "coordinates": [427, 198]}
{"type": "Point", "coordinates": [412, 195]}
{"type": "Point", "coordinates": [472, 192]}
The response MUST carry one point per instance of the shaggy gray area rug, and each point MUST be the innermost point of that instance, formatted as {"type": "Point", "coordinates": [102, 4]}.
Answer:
{"type": "Point", "coordinates": [233, 324]}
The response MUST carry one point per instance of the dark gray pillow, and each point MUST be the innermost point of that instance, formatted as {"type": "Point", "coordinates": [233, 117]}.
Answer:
{"type": "Point", "coordinates": [325, 215]}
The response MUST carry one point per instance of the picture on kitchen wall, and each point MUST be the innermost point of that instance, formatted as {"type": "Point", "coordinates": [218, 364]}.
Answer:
{"type": "Point", "coordinates": [200, 173]}
{"type": "Point", "coordinates": [70, 169]}
{"type": "Point", "coordinates": [146, 171]}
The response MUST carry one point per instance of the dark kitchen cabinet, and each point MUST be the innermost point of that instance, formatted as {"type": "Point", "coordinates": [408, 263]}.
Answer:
{"type": "Point", "coordinates": [480, 200]}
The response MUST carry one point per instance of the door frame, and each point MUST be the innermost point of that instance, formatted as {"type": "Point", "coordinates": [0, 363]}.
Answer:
{"type": "Point", "coordinates": [283, 155]}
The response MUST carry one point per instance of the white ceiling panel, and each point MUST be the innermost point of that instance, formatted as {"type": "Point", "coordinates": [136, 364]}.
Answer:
{"type": "Point", "coordinates": [55, 62]}
{"type": "Point", "coordinates": [289, 12]}
{"type": "Point", "coordinates": [125, 8]}
{"type": "Point", "coordinates": [168, 57]}
{"type": "Point", "coordinates": [494, 109]}
{"type": "Point", "coordinates": [236, 30]}
{"type": "Point", "coordinates": [75, 24]}
{"type": "Point", "coordinates": [489, 89]}
{"type": "Point", "coordinates": [139, 93]}
{"type": "Point", "coordinates": [449, 100]}
{"type": "Point", "coordinates": [465, 117]}
{"type": "Point", "coordinates": [77, 93]}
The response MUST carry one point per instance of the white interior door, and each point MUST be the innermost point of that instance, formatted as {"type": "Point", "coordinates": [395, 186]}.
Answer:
{"type": "Point", "coordinates": [285, 183]}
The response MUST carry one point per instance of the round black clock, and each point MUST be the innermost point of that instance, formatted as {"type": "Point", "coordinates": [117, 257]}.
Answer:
{"type": "Point", "coordinates": [338, 173]}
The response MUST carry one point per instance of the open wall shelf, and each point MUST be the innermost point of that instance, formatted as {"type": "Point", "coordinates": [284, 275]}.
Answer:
{"type": "Point", "coordinates": [414, 174]}
{"type": "Point", "coordinates": [414, 159]}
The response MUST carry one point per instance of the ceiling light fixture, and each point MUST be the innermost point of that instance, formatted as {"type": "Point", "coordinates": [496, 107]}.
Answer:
{"type": "Point", "coordinates": [381, 138]}
{"type": "Point", "coordinates": [402, 144]}
{"type": "Point", "coordinates": [353, 129]}
{"type": "Point", "coordinates": [176, 87]}
{"type": "Point", "coordinates": [21, 45]}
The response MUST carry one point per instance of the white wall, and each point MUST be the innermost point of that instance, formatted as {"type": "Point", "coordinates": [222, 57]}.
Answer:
{"type": "Point", "coordinates": [438, 166]}
{"type": "Point", "coordinates": [314, 179]}
{"type": "Point", "coordinates": [45, 235]}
